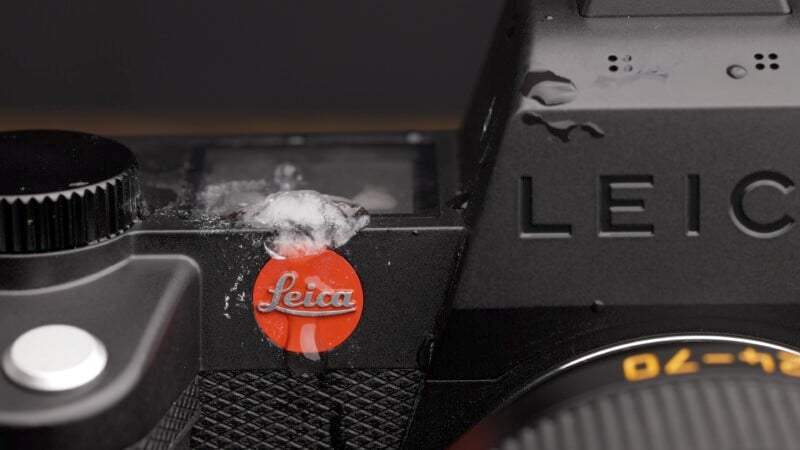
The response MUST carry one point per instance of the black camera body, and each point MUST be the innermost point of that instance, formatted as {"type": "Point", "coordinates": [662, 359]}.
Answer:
{"type": "Point", "coordinates": [624, 179]}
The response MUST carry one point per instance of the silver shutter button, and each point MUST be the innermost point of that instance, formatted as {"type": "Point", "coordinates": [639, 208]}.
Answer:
{"type": "Point", "coordinates": [54, 358]}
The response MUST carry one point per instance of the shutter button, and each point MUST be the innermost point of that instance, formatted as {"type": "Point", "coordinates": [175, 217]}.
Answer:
{"type": "Point", "coordinates": [54, 358]}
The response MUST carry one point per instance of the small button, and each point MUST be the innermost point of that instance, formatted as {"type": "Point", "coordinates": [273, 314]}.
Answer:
{"type": "Point", "coordinates": [54, 358]}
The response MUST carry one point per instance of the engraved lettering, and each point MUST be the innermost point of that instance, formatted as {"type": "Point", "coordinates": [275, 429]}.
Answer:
{"type": "Point", "coordinates": [610, 205]}
{"type": "Point", "coordinates": [290, 299]}
{"type": "Point", "coordinates": [342, 299]}
{"type": "Point", "coordinates": [528, 228]}
{"type": "Point", "coordinates": [693, 205]}
{"type": "Point", "coordinates": [743, 222]}
{"type": "Point", "coordinates": [321, 299]}
{"type": "Point", "coordinates": [308, 301]}
{"type": "Point", "coordinates": [285, 300]}
{"type": "Point", "coordinates": [615, 207]}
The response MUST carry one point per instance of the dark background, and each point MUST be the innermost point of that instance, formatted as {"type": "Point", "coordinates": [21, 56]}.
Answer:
{"type": "Point", "coordinates": [250, 66]}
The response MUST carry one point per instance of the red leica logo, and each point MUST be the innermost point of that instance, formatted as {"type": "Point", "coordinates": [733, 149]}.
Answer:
{"type": "Point", "coordinates": [327, 303]}
{"type": "Point", "coordinates": [309, 304]}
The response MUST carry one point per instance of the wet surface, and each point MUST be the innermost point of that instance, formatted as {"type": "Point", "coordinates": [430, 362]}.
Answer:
{"type": "Point", "coordinates": [548, 88]}
{"type": "Point", "coordinates": [199, 197]}
{"type": "Point", "coordinates": [208, 188]}
{"type": "Point", "coordinates": [656, 73]}
{"type": "Point", "coordinates": [383, 178]}
{"type": "Point", "coordinates": [562, 129]}
{"type": "Point", "coordinates": [305, 222]}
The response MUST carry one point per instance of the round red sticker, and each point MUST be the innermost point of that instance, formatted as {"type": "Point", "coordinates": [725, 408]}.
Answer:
{"type": "Point", "coordinates": [308, 304]}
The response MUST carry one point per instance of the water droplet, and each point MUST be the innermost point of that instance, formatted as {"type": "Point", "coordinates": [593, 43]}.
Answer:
{"type": "Point", "coordinates": [488, 119]}
{"type": "Point", "coordinates": [563, 128]}
{"type": "Point", "coordinates": [301, 364]}
{"type": "Point", "coordinates": [304, 222]}
{"type": "Point", "coordinates": [459, 202]}
{"type": "Point", "coordinates": [598, 306]}
{"type": "Point", "coordinates": [308, 341]}
{"type": "Point", "coordinates": [646, 73]}
{"type": "Point", "coordinates": [548, 88]}
{"type": "Point", "coordinates": [593, 129]}
{"type": "Point", "coordinates": [737, 72]}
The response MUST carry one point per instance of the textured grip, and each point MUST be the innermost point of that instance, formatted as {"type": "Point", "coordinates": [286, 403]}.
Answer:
{"type": "Point", "coordinates": [173, 429]}
{"type": "Point", "coordinates": [718, 412]}
{"type": "Point", "coordinates": [275, 409]}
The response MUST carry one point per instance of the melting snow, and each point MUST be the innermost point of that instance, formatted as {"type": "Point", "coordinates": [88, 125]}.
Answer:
{"type": "Point", "coordinates": [304, 222]}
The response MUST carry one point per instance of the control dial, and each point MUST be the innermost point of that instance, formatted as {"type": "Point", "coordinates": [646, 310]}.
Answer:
{"type": "Point", "coordinates": [61, 190]}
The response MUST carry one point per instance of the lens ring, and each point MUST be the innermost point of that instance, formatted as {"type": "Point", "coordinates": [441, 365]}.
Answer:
{"type": "Point", "coordinates": [616, 386]}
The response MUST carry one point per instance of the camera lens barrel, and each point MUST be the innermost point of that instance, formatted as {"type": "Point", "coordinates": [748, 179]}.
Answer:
{"type": "Point", "coordinates": [60, 190]}
{"type": "Point", "coordinates": [698, 392]}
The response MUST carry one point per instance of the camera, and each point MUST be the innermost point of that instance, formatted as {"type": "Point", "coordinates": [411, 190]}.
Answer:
{"type": "Point", "coordinates": [601, 258]}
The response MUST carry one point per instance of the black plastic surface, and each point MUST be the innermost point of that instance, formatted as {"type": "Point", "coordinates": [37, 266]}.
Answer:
{"type": "Point", "coordinates": [669, 261]}
{"type": "Point", "coordinates": [145, 311]}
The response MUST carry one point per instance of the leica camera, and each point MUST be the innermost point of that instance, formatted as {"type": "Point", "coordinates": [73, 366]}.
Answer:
{"type": "Point", "coordinates": [603, 257]}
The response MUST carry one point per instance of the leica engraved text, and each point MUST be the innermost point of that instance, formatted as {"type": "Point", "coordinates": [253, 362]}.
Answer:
{"type": "Point", "coordinates": [286, 300]}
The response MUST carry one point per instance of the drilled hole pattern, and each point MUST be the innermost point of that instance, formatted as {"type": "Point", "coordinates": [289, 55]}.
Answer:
{"type": "Point", "coordinates": [614, 67]}
{"type": "Point", "coordinates": [762, 59]}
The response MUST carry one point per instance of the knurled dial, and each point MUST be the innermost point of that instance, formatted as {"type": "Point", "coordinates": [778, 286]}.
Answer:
{"type": "Point", "coordinates": [61, 190]}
